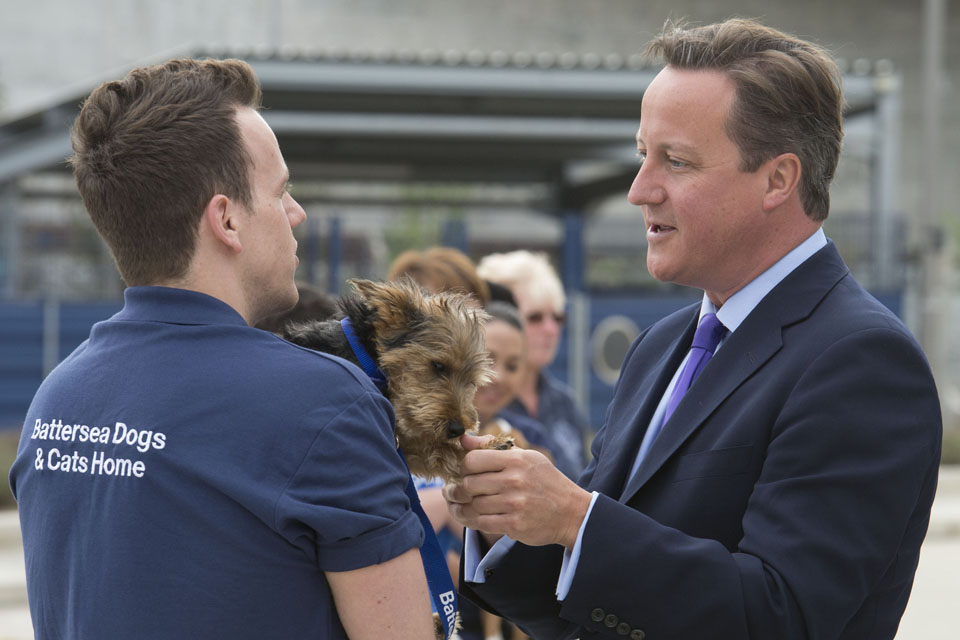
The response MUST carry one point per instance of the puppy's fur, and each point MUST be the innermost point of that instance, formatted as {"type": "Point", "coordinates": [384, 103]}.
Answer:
{"type": "Point", "coordinates": [431, 350]}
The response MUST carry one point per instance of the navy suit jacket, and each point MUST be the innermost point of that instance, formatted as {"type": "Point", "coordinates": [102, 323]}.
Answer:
{"type": "Point", "coordinates": [787, 496]}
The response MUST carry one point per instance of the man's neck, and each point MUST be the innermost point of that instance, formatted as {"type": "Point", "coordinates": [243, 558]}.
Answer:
{"type": "Point", "coordinates": [220, 289]}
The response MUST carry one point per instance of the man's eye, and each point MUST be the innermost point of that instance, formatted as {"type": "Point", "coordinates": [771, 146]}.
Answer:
{"type": "Point", "coordinates": [677, 164]}
{"type": "Point", "coordinates": [641, 156]}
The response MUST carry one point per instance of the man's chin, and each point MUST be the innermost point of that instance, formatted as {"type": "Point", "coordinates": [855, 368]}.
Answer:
{"type": "Point", "coordinates": [660, 271]}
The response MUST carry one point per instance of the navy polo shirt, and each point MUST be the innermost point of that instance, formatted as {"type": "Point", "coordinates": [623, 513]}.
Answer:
{"type": "Point", "coordinates": [183, 475]}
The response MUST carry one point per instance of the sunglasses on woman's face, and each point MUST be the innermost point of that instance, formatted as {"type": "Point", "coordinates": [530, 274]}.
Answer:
{"type": "Point", "coordinates": [539, 316]}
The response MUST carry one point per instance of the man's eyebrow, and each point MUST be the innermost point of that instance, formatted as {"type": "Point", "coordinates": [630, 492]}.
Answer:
{"type": "Point", "coordinates": [285, 180]}
{"type": "Point", "coordinates": [673, 146]}
{"type": "Point", "coordinates": [682, 148]}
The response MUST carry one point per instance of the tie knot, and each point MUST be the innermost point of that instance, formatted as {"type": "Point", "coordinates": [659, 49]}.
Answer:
{"type": "Point", "coordinates": [709, 333]}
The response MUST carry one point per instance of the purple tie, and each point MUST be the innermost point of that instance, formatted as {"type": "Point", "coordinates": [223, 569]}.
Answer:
{"type": "Point", "coordinates": [705, 342]}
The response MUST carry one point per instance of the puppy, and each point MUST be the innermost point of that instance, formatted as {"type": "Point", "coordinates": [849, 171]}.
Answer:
{"type": "Point", "coordinates": [430, 349]}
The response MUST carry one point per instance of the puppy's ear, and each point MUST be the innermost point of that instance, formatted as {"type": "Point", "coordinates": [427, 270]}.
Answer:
{"type": "Point", "coordinates": [397, 308]}
{"type": "Point", "coordinates": [366, 289]}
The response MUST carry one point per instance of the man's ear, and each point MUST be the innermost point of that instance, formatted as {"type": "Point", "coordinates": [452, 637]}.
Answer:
{"type": "Point", "coordinates": [222, 217]}
{"type": "Point", "coordinates": [783, 177]}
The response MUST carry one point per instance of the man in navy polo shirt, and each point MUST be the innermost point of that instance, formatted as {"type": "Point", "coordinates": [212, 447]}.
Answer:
{"type": "Point", "coordinates": [182, 474]}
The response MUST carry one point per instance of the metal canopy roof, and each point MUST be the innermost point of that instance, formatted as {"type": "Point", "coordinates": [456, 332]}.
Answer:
{"type": "Point", "coordinates": [432, 117]}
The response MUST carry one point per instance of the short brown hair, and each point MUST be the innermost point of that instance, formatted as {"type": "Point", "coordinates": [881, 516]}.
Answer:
{"type": "Point", "coordinates": [150, 151]}
{"type": "Point", "coordinates": [789, 96]}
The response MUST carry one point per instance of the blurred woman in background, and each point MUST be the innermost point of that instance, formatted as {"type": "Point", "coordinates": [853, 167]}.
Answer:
{"type": "Point", "coordinates": [441, 269]}
{"type": "Point", "coordinates": [504, 337]}
{"type": "Point", "coordinates": [541, 301]}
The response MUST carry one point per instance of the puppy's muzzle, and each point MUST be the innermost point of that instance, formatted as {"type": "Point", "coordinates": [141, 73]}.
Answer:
{"type": "Point", "coordinates": [454, 430]}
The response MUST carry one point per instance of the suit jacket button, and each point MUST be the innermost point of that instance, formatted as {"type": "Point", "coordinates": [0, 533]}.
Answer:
{"type": "Point", "coordinates": [611, 620]}
{"type": "Point", "coordinates": [623, 629]}
{"type": "Point", "coordinates": [487, 573]}
{"type": "Point", "coordinates": [637, 634]}
{"type": "Point", "coordinates": [597, 614]}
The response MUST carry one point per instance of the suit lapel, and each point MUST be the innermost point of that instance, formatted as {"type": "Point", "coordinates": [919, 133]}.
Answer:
{"type": "Point", "coordinates": [757, 340]}
{"type": "Point", "coordinates": [733, 364]}
{"type": "Point", "coordinates": [620, 450]}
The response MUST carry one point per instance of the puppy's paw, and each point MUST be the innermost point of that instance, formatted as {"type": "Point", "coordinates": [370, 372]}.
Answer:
{"type": "Point", "coordinates": [438, 627]}
{"type": "Point", "coordinates": [501, 441]}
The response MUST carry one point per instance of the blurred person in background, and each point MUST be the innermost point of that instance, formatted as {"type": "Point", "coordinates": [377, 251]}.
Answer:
{"type": "Point", "coordinates": [541, 301]}
{"type": "Point", "coordinates": [441, 269]}
{"type": "Point", "coordinates": [506, 344]}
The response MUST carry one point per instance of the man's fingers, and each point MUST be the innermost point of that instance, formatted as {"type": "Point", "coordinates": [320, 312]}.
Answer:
{"type": "Point", "coordinates": [490, 483]}
{"type": "Point", "coordinates": [469, 441]}
{"type": "Point", "coordinates": [491, 460]}
{"type": "Point", "coordinates": [455, 494]}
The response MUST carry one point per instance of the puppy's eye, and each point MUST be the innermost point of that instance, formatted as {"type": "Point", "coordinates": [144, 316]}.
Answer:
{"type": "Point", "coordinates": [439, 368]}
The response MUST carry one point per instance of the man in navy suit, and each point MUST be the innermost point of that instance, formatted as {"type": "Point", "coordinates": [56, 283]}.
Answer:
{"type": "Point", "coordinates": [785, 494]}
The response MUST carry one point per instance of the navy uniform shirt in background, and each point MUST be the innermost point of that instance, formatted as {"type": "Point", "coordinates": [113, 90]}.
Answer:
{"type": "Point", "coordinates": [183, 475]}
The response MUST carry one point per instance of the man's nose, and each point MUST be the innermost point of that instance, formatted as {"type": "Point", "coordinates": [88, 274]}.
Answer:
{"type": "Point", "coordinates": [295, 212]}
{"type": "Point", "coordinates": [645, 189]}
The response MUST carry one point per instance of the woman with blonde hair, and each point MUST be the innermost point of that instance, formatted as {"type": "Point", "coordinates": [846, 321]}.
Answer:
{"type": "Point", "coordinates": [540, 298]}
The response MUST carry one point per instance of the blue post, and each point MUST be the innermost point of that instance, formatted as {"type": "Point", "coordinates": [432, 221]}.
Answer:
{"type": "Point", "coordinates": [578, 311]}
{"type": "Point", "coordinates": [312, 250]}
{"type": "Point", "coordinates": [334, 251]}
{"type": "Point", "coordinates": [455, 235]}
{"type": "Point", "coordinates": [573, 260]}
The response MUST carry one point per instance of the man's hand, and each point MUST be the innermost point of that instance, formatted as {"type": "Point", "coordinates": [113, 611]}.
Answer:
{"type": "Point", "coordinates": [517, 492]}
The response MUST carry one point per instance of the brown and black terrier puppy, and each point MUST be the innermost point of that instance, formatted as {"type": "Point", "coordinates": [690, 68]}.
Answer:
{"type": "Point", "coordinates": [431, 351]}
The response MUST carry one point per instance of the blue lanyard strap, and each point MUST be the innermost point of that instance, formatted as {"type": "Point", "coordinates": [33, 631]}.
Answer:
{"type": "Point", "coordinates": [366, 362]}
{"type": "Point", "coordinates": [442, 592]}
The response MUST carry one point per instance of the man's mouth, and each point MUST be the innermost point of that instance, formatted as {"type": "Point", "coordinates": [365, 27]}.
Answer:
{"type": "Point", "coordinates": [660, 228]}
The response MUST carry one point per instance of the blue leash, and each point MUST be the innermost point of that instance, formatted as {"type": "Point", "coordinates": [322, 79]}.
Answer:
{"type": "Point", "coordinates": [434, 563]}
{"type": "Point", "coordinates": [442, 592]}
{"type": "Point", "coordinates": [366, 362]}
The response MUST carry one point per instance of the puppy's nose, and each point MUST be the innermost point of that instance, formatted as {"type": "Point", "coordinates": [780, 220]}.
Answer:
{"type": "Point", "coordinates": [454, 429]}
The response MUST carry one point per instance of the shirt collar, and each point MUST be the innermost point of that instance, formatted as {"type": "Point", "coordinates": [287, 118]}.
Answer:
{"type": "Point", "coordinates": [175, 306]}
{"type": "Point", "coordinates": [735, 310]}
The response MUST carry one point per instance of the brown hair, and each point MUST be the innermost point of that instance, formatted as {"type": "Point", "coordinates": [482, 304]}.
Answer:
{"type": "Point", "coordinates": [441, 269]}
{"type": "Point", "coordinates": [789, 96]}
{"type": "Point", "coordinates": [150, 151]}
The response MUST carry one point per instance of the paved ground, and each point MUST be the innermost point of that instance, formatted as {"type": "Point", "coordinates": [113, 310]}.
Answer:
{"type": "Point", "coordinates": [931, 613]}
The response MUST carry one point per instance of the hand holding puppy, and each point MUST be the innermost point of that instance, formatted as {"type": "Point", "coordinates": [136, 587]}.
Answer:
{"type": "Point", "coordinates": [516, 492]}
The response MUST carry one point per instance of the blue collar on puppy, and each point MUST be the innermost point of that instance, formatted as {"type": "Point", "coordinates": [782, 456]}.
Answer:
{"type": "Point", "coordinates": [366, 362]}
